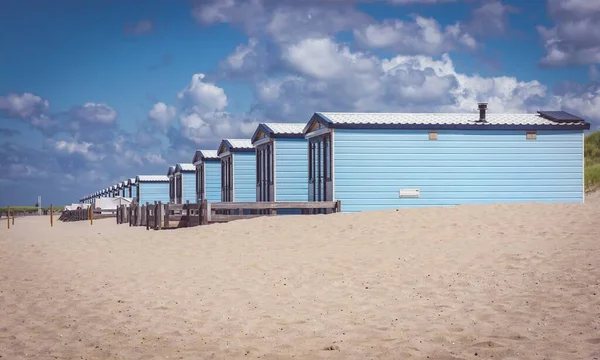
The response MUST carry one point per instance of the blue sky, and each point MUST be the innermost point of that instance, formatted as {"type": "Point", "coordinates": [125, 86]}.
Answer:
{"type": "Point", "coordinates": [94, 92]}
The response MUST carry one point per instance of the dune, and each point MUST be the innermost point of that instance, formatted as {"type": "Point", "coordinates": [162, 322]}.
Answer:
{"type": "Point", "coordinates": [506, 281]}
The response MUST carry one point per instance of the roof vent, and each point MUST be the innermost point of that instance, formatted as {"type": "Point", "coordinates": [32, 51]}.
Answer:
{"type": "Point", "coordinates": [482, 109]}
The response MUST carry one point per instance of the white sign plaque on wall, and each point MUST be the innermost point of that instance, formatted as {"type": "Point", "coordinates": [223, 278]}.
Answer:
{"type": "Point", "coordinates": [410, 193]}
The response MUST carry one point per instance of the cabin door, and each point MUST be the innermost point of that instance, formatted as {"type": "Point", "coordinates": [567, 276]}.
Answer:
{"type": "Point", "coordinates": [227, 179]}
{"type": "Point", "coordinates": [178, 188]}
{"type": "Point", "coordinates": [265, 173]}
{"type": "Point", "coordinates": [172, 189]}
{"type": "Point", "coordinates": [319, 168]}
{"type": "Point", "coordinates": [200, 192]}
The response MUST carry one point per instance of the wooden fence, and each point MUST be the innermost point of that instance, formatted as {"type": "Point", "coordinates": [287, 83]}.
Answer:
{"type": "Point", "coordinates": [168, 216]}
{"type": "Point", "coordinates": [84, 214]}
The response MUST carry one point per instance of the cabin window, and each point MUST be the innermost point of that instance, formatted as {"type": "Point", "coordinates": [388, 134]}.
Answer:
{"type": "Point", "coordinates": [320, 168]}
{"type": "Point", "coordinates": [227, 179]}
{"type": "Point", "coordinates": [172, 189]}
{"type": "Point", "coordinates": [200, 181]}
{"type": "Point", "coordinates": [198, 187]}
{"type": "Point", "coordinates": [178, 188]}
{"type": "Point", "coordinates": [265, 178]}
{"type": "Point", "coordinates": [531, 135]}
{"type": "Point", "coordinates": [433, 135]}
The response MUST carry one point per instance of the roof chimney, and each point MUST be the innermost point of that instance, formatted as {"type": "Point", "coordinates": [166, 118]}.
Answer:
{"type": "Point", "coordinates": [482, 108]}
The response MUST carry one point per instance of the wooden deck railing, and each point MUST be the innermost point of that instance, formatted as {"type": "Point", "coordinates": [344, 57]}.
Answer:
{"type": "Point", "coordinates": [84, 214]}
{"type": "Point", "coordinates": [167, 216]}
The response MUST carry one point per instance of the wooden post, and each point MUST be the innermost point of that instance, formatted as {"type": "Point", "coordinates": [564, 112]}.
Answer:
{"type": "Point", "coordinates": [142, 215]}
{"type": "Point", "coordinates": [147, 216]}
{"type": "Point", "coordinates": [167, 214]}
{"type": "Point", "coordinates": [188, 218]}
{"type": "Point", "coordinates": [338, 206]}
{"type": "Point", "coordinates": [158, 218]}
{"type": "Point", "coordinates": [8, 217]}
{"type": "Point", "coordinates": [91, 215]}
{"type": "Point", "coordinates": [51, 214]}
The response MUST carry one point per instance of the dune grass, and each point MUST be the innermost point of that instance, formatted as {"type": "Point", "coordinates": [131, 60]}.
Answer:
{"type": "Point", "coordinates": [592, 161]}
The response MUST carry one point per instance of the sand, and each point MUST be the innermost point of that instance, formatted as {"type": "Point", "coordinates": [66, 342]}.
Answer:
{"type": "Point", "coordinates": [518, 281]}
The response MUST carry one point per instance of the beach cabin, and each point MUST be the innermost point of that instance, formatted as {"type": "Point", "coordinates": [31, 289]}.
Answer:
{"type": "Point", "coordinates": [115, 190]}
{"type": "Point", "coordinates": [171, 176]}
{"type": "Point", "coordinates": [281, 162]}
{"type": "Point", "coordinates": [208, 175]}
{"type": "Point", "coordinates": [151, 188]}
{"type": "Point", "coordinates": [131, 190]}
{"type": "Point", "coordinates": [185, 183]}
{"type": "Point", "coordinates": [373, 161]}
{"type": "Point", "coordinates": [120, 189]}
{"type": "Point", "coordinates": [238, 170]}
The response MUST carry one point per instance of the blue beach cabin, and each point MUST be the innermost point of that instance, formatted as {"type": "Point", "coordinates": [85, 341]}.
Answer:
{"type": "Point", "coordinates": [238, 170]}
{"type": "Point", "coordinates": [208, 175]}
{"type": "Point", "coordinates": [185, 183]}
{"type": "Point", "coordinates": [374, 161]}
{"type": "Point", "coordinates": [151, 188]}
{"type": "Point", "coordinates": [281, 162]}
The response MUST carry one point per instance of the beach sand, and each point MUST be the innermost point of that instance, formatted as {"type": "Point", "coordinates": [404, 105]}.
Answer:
{"type": "Point", "coordinates": [518, 281]}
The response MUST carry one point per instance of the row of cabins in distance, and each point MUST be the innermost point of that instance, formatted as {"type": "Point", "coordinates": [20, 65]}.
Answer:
{"type": "Point", "coordinates": [375, 161]}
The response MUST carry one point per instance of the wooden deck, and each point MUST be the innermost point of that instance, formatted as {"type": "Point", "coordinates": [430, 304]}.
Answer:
{"type": "Point", "coordinates": [170, 216]}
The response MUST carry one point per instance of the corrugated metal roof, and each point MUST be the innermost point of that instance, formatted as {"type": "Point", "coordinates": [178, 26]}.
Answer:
{"type": "Point", "coordinates": [275, 130]}
{"type": "Point", "coordinates": [152, 178]}
{"type": "Point", "coordinates": [209, 154]}
{"type": "Point", "coordinates": [441, 119]}
{"type": "Point", "coordinates": [240, 143]}
{"type": "Point", "coordinates": [186, 167]}
{"type": "Point", "coordinates": [285, 128]}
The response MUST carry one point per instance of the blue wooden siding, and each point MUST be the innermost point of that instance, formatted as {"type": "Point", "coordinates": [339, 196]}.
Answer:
{"type": "Point", "coordinates": [133, 191]}
{"type": "Point", "coordinates": [291, 170]}
{"type": "Point", "coordinates": [461, 167]}
{"type": "Point", "coordinates": [154, 191]}
{"type": "Point", "coordinates": [244, 176]}
{"type": "Point", "coordinates": [188, 181]}
{"type": "Point", "coordinates": [212, 176]}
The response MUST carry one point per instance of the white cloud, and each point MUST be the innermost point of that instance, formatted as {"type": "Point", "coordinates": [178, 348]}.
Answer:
{"type": "Point", "coordinates": [333, 78]}
{"type": "Point", "coordinates": [236, 60]}
{"type": "Point", "coordinates": [154, 159]}
{"type": "Point", "coordinates": [94, 113]}
{"type": "Point", "coordinates": [162, 115]}
{"type": "Point", "coordinates": [575, 39]}
{"type": "Point", "coordinates": [23, 106]}
{"type": "Point", "coordinates": [203, 96]}
{"type": "Point", "coordinates": [324, 59]}
{"type": "Point", "coordinates": [85, 149]}
{"type": "Point", "coordinates": [423, 36]}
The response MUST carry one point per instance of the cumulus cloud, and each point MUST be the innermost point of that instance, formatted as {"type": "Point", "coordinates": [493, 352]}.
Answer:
{"type": "Point", "coordinates": [202, 96]}
{"type": "Point", "coordinates": [331, 77]}
{"type": "Point", "coordinates": [580, 99]}
{"type": "Point", "coordinates": [423, 36]}
{"type": "Point", "coordinates": [491, 18]}
{"type": "Point", "coordinates": [162, 115]}
{"type": "Point", "coordinates": [29, 108]}
{"type": "Point", "coordinates": [84, 149]}
{"type": "Point", "coordinates": [575, 38]}
{"type": "Point", "coordinates": [94, 113]}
